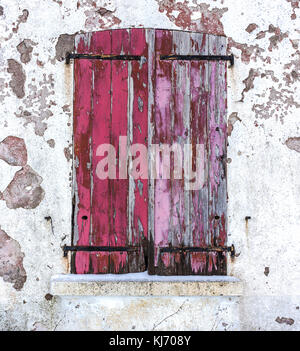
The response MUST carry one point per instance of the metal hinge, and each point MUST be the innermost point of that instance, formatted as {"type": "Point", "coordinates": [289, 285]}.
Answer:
{"type": "Point", "coordinates": [230, 249]}
{"type": "Point", "coordinates": [229, 58]}
{"type": "Point", "coordinates": [66, 249]}
{"type": "Point", "coordinates": [73, 56]}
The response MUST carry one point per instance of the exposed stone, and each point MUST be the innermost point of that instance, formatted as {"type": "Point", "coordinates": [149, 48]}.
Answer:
{"type": "Point", "coordinates": [267, 271]}
{"type": "Point", "coordinates": [103, 11]}
{"type": "Point", "coordinates": [11, 261]}
{"type": "Point", "coordinates": [24, 191]}
{"type": "Point", "coordinates": [21, 19]}
{"type": "Point", "coordinates": [65, 43]}
{"type": "Point", "coordinates": [25, 49]}
{"type": "Point", "coordinates": [248, 82]}
{"type": "Point", "coordinates": [231, 121]}
{"type": "Point", "coordinates": [18, 78]}
{"type": "Point", "coordinates": [68, 153]}
{"type": "Point", "coordinates": [251, 27]}
{"type": "Point", "coordinates": [13, 151]}
{"type": "Point", "coordinates": [51, 143]}
{"type": "Point", "coordinates": [283, 320]}
{"type": "Point", "coordinates": [1, 11]}
{"type": "Point", "coordinates": [293, 144]}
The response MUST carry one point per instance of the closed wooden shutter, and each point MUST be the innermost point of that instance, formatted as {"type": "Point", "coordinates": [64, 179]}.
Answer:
{"type": "Point", "coordinates": [188, 227]}
{"type": "Point", "coordinates": [154, 224]}
{"type": "Point", "coordinates": [111, 99]}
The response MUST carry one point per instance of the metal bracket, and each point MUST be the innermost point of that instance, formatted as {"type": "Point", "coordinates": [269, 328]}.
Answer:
{"type": "Point", "coordinates": [229, 58]}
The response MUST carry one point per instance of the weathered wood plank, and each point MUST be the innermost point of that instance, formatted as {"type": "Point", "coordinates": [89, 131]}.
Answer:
{"type": "Point", "coordinates": [82, 147]}
{"type": "Point", "coordinates": [199, 198]}
{"type": "Point", "coordinates": [162, 135]}
{"type": "Point", "coordinates": [138, 224]}
{"type": "Point", "coordinates": [101, 203]}
{"type": "Point", "coordinates": [119, 187]}
{"type": "Point", "coordinates": [217, 156]}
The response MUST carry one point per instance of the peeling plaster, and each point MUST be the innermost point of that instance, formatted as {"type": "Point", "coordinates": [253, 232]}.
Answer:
{"type": "Point", "coordinates": [13, 151]}
{"type": "Point", "coordinates": [248, 52]}
{"type": "Point", "coordinates": [11, 261]}
{"type": "Point", "coordinates": [18, 78]}
{"type": "Point", "coordinates": [295, 4]}
{"type": "Point", "coordinates": [37, 105]}
{"type": "Point", "coordinates": [24, 191]}
{"type": "Point", "coordinates": [102, 17]}
{"type": "Point", "coordinates": [181, 13]}
{"type": "Point", "coordinates": [275, 39]}
{"type": "Point", "coordinates": [21, 19]}
{"type": "Point", "coordinates": [253, 73]}
{"type": "Point", "coordinates": [233, 118]}
{"type": "Point", "coordinates": [277, 105]}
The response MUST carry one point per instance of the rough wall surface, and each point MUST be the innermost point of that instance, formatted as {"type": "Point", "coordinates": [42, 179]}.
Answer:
{"type": "Point", "coordinates": [263, 161]}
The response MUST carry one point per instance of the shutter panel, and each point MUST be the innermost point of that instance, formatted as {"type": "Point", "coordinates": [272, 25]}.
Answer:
{"type": "Point", "coordinates": [189, 108]}
{"type": "Point", "coordinates": [110, 100]}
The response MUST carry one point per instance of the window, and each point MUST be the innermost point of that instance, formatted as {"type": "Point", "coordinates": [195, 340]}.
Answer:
{"type": "Point", "coordinates": [149, 87]}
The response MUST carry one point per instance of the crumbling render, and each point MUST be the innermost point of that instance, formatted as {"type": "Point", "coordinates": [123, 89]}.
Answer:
{"type": "Point", "coordinates": [11, 261]}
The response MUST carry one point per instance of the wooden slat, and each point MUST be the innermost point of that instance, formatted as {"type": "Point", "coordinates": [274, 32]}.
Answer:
{"type": "Point", "coordinates": [119, 187]}
{"type": "Point", "coordinates": [162, 134]}
{"type": "Point", "coordinates": [199, 198]}
{"type": "Point", "coordinates": [217, 156]}
{"type": "Point", "coordinates": [82, 152]}
{"type": "Point", "coordinates": [138, 224]}
{"type": "Point", "coordinates": [101, 203]}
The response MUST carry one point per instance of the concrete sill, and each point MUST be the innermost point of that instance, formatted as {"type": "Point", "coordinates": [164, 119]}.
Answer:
{"type": "Point", "coordinates": [142, 284]}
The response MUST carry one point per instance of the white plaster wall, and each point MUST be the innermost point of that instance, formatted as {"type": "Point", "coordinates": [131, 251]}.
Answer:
{"type": "Point", "coordinates": [263, 167]}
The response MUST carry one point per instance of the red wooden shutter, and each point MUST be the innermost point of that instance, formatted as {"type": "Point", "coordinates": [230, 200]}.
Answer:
{"type": "Point", "coordinates": [110, 100]}
{"type": "Point", "coordinates": [189, 107]}
{"type": "Point", "coordinates": [163, 101]}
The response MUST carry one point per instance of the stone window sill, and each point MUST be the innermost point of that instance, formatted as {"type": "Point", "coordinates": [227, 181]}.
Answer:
{"type": "Point", "coordinates": [142, 284]}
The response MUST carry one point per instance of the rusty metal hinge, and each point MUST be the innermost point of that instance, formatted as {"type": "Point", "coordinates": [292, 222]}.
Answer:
{"type": "Point", "coordinates": [230, 249]}
{"type": "Point", "coordinates": [73, 56]}
{"type": "Point", "coordinates": [229, 58]}
{"type": "Point", "coordinates": [66, 249]}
